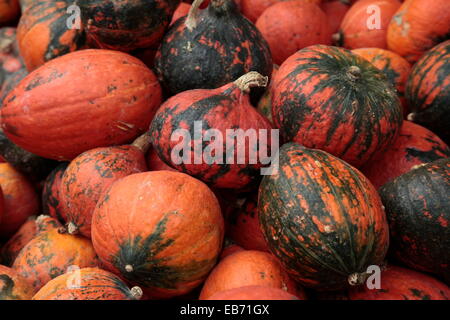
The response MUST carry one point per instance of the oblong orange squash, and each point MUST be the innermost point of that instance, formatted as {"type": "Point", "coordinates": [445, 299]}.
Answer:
{"type": "Point", "coordinates": [13, 286]}
{"type": "Point", "coordinates": [87, 284]}
{"type": "Point", "coordinates": [248, 268]}
{"type": "Point", "coordinates": [365, 24]}
{"type": "Point", "coordinates": [417, 26]}
{"type": "Point", "coordinates": [53, 252]}
{"type": "Point", "coordinates": [253, 293]}
{"type": "Point", "coordinates": [20, 200]}
{"type": "Point", "coordinates": [160, 230]}
{"type": "Point", "coordinates": [15, 244]}
{"type": "Point", "coordinates": [69, 105]}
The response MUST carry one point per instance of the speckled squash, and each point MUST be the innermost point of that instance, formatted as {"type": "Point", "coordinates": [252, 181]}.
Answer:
{"type": "Point", "coordinates": [242, 224]}
{"type": "Point", "coordinates": [11, 81]}
{"type": "Point", "coordinates": [414, 146]}
{"type": "Point", "coordinates": [253, 293]}
{"type": "Point", "coordinates": [68, 106]}
{"type": "Point", "coordinates": [428, 91]}
{"type": "Point", "coordinates": [94, 284]}
{"type": "Point", "coordinates": [248, 268]}
{"type": "Point", "coordinates": [9, 11]}
{"type": "Point", "coordinates": [289, 26]}
{"type": "Point", "coordinates": [322, 218]}
{"type": "Point", "coordinates": [418, 210]}
{"type": "Point", "coordinates": [42, 33]}
{"type": "Point", "coordinates": [331, 99]}
{"type": "Point", "coordinates": [403, 284]}
{"type": "Point", "coordinates": [51, 196]}
{"type": "Point", "coordinates": [53, 252]}
{"type": "Point", "coordinates": [366, 23]}
{"type": "Point", "coordinates": [20, 200]}
{"type": "Point", "coordinates": [15, 244]}
{"type": "Point", "coordinates": [417, 26]}
{"type": "Point", "coordinates": [168, 240]}
{"type": "Point", "coordinates": [265, 103]}
{"type": "Point", "coordinates": [394, 67]}
{"type": "Point", "coordinates": [92, 173]}
{"type": "Point", "coordinates": [13, 286]}
{"type": "Point", "coordinates": [10, 60]}
{"type": "Point", "coordinates": [125, 25]}
{"type": "Point", "coordinates": [194, 112]}
{"type": "Point", "coordinates": [210, 48]}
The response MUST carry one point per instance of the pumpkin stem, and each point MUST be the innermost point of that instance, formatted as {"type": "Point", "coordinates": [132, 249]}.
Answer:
{"type": "Point", "coordinates": [191, 19]}
{"type": "Point", "coordinates": [72, 228]}
{"type": "Point", "coordinates": [411, 116]}
{"type": "Point", "coordinates": [251, 79]}
{"type": "Point", "coordinates": [338, 38]}
{"type": "Point", "coordinates": [136, 293]}
{"type": "Point", "coordinates": [356, 279]}
{"type": "Point", "coordinates": [129, 268]}
{"type": "Point", "coordinates": [142, 142]}
{"type": "Point", "coordinates": [354, 73]}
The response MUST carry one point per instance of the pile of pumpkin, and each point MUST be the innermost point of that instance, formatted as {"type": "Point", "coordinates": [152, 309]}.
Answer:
{"type": "Point", "coordinates": [94, 205]}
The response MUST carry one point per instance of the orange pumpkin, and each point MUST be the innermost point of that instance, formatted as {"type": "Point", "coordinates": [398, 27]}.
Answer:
{"type": "Point", "coordinates": [154, 162]}
{"type": "Point", "coordinates": [417, 26]}
{"type": "Point", "coordinates": [288, 27]}
{"type": "Point", "coordinates": [335, 11]}
{"type": "Point", "coordinates": [365, 24]}
{"type": "Point", "coordinates": [53, 252]}
{"type": "Point", "coordinates": [253, 293]}
{"type": "Point", "coordinates": [93, 172]}
{"type": "Point", "coordinates": [9, 11]}
{"type": "Point", "coordinates": [252, 9]}
{"type": "Point", "coordinates": [51, 196]}
{"type": "Point", "coordinates": [229, 249]}
{"type": "Point", "coordinates": [181, 11]}
{"type": "Point", "coordinates": [13, 286]}
{"type": "Point", "coordinates": [248, 268]}
{"type": "Point", "coordinates": [20, 200]}
{"type": "Point", "coordinates": [395, 68]}
{"type": "Point", "coordinates": [87, 284]}
{"type": "Point", "coordinates": [160, 230]}
{"type": "Point", "coordinates": [68, 105]}
{"type": "Point", "coordinates": [19, 240]}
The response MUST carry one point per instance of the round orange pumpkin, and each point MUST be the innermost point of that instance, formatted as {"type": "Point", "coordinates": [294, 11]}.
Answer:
{"type": "Point", "coordinates": [154, 162]}
{"type": "Point", "coordinates": [53, 252]}
{"type": "Point", "coordinates": [160, 230]}
{"type": "Point", "coordinates": [248, 268]}
{"type": "Point", "coordinates": [93, 172]}
{"type": "Point", "coordinates": [395, 68]}
{"type": "Point", "coordinates": [13, 286]}
{"type": "Point", "coordinates": [335, 11]}
{"type": "Point", "coordinates": [365, 24]}
{"type": "Point", "coordinates": [289, 26]}
{"type": "Point", "coordinates": [82, 100]}
{"type": "Point", "coordinates": [87, 284]}
{"type": "Point", "coordinates": [19, 240]}
{"type": "Point", "coordinates": [252, 9]}
{"type": "Point", "coordinates": [417, 26]}
{"type": "Point", "coordinates": [253, 293]}
{"type": "Point", "coordinates": [20, 200]}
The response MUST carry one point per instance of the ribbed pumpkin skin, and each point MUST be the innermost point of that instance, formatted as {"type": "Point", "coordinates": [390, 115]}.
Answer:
{"type": "Point", "coordinates": [322, 218]}
{"type": "Point", "coordinates": [289, 26]}
{"type": "Point", "coordinates": [95, 284]}
{"type": "Point", "coordinates": [13, 286]}
{"type": "Point", "coordinates": [89, 175]}
{"type": "Point", "coordinates": [20, 200]}
{"type": "Point", "coordinates": [243, 224]}
{"type": "Point", "coordinates": [428, 91]}
{"type": "Point", "coordinates": [248, 268]}
{"type": "Point", "coordinates": [354, 31]}
{"type": "Point", "coordinates": [125, 25]}
{"type": "Point", "coordinates": [414, 146]}
{"type": "Point", "coordinates": [222, 109]}
{"type": "Point", "coordinates": [42, 33]}
{"type": "Point", "coordinates": [394, 67]}
{"type": "Point", "coordinates": [52, 252]}
{"type": "Point", "coordinates": [316, 102]}
{"type": "Point", "coordinates": [403, 284]}
{"type": "Point", "coordinates": [418, 209]}
{"type": "Point", "coordinates": [170, 237]}
{"type": "Point", "coordinates": [222, 47]}
{"type": "Point", "coordinates": [51, 196]}
{"type": "Point", "coordinates": [9, 11]}
{"type": "Point", "coordinates": [417, 26]}
{"type": "Point", "coordinates": [15, 244]}
{"type": "Point", "coordinates": [253, 293]}
{"type": "Point", "coordinates": [68, 106]}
